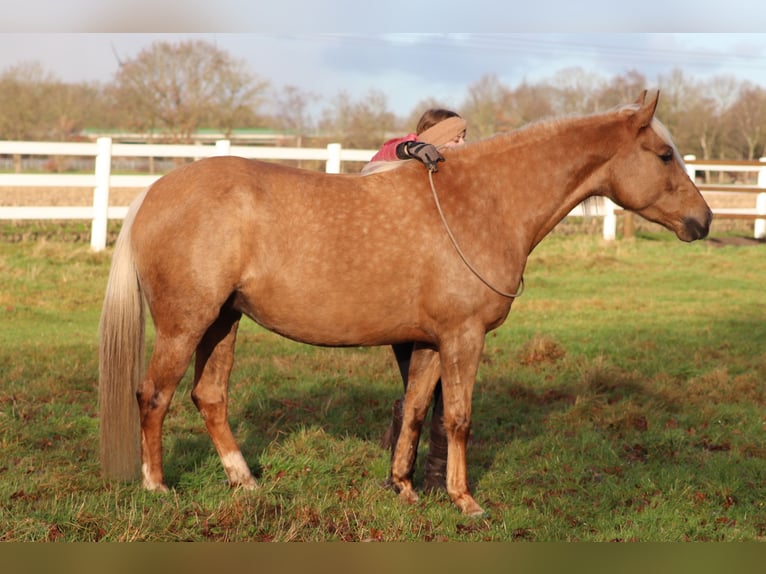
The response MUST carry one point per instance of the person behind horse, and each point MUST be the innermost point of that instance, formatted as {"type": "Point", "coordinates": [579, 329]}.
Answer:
{"type": "Point", "coordinates": [437, 128]}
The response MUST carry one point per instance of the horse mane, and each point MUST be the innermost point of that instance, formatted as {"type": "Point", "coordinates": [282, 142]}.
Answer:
{"type": "Point", "coordinates": [546, 127]}
{"type": "Point", "coordinates": [532, 132]}
{"type": "Point", "coordinates": [535, 131]}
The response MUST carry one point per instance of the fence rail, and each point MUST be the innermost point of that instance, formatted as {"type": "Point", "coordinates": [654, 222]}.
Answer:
{"type": "Point", "coordinates": [104, 151]}
{"type": "Point", "coordinates": [102, 179]}
{"type": "Point", "coordinates": [757, 213]}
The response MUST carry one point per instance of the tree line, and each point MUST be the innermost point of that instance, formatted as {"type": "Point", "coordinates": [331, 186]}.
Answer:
{"type": "Point", "coordinates": [171, 90]}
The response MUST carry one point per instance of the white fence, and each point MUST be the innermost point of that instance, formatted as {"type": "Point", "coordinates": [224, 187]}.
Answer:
{"type": "Point", "coordinates": [103, 179]}
{"type": "Point", "coordinates": [104, 150]}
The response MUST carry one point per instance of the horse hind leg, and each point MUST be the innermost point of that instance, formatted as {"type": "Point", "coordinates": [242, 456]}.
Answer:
{"type": "Point", "coordinates": [170, 358]}
{"type": "Point", "coordinates": [214, 360]}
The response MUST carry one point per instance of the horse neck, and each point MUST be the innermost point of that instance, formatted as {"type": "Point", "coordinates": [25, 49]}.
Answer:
{"type": "Point", "coordinates": [546, 170]}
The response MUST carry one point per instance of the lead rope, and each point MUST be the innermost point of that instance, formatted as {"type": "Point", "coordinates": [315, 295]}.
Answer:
{"type": "Point", "coordinates": [460, 251]}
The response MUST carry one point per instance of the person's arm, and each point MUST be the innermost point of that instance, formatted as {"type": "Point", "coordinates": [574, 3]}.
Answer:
{"type": "Point", "coordinates": [421, 151]}
{"type": "Point", "coordinates": [387, 152]}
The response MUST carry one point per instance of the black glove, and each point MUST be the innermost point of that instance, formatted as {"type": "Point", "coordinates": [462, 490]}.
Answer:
{"type": "Point", "coordinates": [421, 151]}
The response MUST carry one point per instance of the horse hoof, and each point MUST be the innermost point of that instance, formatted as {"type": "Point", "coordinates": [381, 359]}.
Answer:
{"type": "Point", "coordinates": [156, 487]}
{"type": "Point", "coordinates": [408, 496]}
{"type": "Point", "coordinates": [469, 507]}
{"type": "Point", "coordinates": [249, 484]}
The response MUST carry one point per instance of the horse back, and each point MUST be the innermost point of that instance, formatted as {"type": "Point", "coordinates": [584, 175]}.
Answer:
{"type": "Point", "coordinates": [325, 259]}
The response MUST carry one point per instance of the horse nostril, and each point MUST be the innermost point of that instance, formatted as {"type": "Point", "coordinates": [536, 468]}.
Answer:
{"type": "Point", "coordinates": [697, 229]}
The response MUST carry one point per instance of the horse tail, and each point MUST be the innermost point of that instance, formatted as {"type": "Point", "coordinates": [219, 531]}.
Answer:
{"type": "Point", "coordinates": [121, 360]}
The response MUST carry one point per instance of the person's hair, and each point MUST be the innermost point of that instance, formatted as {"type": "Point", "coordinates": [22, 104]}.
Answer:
{"type": "Point", "coordinates": [432, 117]}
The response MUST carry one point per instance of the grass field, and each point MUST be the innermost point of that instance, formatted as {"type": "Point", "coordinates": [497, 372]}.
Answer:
{"type": "Point", "coordinates": [622, 400]}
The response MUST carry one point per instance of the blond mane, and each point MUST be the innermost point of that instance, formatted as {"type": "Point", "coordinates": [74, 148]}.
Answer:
{"type": "Point", "coordinates": [544, 127]}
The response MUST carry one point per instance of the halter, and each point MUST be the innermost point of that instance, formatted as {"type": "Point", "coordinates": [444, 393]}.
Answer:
{"type": "Point", "coordinates": [460, 251]}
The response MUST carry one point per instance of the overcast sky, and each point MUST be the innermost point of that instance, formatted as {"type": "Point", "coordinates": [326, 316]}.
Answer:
{"type": "Point", "coordinates": [82, 40]}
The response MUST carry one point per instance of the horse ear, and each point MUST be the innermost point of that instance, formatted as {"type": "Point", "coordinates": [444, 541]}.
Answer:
{"type": "Point", "coordinates": [641, 98]}
{"type": "Point", "coordinates": [645, 113]}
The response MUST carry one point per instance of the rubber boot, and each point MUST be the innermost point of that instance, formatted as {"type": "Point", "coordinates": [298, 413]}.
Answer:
{"type": "Point", "coordinates": [402, 353]}
{"type": "Point", "coordinates": [391, 435]}
{"type": "Point", "coordinates": [392, 432]}
{"type": "Point", "coordinates": [435, 475]}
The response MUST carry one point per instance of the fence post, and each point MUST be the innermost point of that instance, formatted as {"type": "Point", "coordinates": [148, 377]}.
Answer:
{"type": "Point", "coordinates": [223, 147]}
{"type": "Point", "coordinates": [333, 158]}
{"type": "Point", "coordinates": [101, 194]}
{"type": "Point", "coordinates": [759, 227]}
{"type": "Point", "coordinates": [690, 170]}
{"type": "Point", "coordinates": [610, 220]}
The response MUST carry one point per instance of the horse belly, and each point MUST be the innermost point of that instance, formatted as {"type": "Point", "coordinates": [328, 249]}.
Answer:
{"type": "Point", "coordinates": [331, 313]}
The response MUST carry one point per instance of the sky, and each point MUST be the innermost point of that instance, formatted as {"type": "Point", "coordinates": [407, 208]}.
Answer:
{"type": "Point", "coordinates": [85, 41]}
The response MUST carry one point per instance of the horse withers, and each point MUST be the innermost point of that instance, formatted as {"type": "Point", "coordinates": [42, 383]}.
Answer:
{"type": "Point", "coordinates": [348, 260]}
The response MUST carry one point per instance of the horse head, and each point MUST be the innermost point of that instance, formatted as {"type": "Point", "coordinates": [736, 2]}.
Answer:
{"type": "Point", "coordinates": [649, 176]}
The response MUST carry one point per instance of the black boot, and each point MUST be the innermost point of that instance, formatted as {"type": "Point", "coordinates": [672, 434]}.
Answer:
{"type": "Point", "coordinates": [391, 436]}
{"type": "Point", "coordinates": [402, 352]}
{"type": "Point", "coordinates": [435, 476]}
{"type": "Point", "coordinates": [392, 432]}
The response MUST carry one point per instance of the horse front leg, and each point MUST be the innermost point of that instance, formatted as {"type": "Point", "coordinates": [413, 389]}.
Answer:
{"type": "Point", "coordinates": [460, 362]}
{"type": "Point", "coordinates": [423, 375]}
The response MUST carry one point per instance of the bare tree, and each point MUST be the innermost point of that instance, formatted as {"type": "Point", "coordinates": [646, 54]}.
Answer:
{"type": "Point", "coordinates": [577, 91]}
{"type": "Point", "coordinates": [690, 113]}
{"type": "Point", "coordinates": [176, 88]}
{"type": "Point", "coordinates": [359, 124]}
{"type": "Point", "coordinates": [528, 103]}
{"type": "Point", "coordinates": [483, 107]}
{"type": "Point", "coordinates": [292, 111]}
{"type": "Point", "coordinates": [238, 99]}
{"type": "Point", "coordinates": [24, 93]}
{"type": "Point", "coordinates": [74, 107]}
{"type": "Point", "coordinates": [623, 89]}
{"type": "Point", "coordinates": [747, 120]}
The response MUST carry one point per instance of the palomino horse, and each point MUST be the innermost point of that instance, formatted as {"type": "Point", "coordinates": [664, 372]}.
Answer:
{"type": "Point", "coordinates": [341, 260]}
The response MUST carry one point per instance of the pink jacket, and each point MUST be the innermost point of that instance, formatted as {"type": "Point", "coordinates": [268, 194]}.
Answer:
{"type": "Point", "coordinates": [387, 152]}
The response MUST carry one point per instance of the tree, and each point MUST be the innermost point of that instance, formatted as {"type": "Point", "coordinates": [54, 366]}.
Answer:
{"type": "Point", "coordinates": [292, 112]}
{"type": "Point", "coordinates": [690, 113]}
{"type": "Point", "coordinates": [24, 93]}
{"type": "Point", "coordinates": [528, 103]}
{"type": "Point", "coordinates": [748, 122]}
{"type": "Point", "coordinates": [624, 89]}
{"type": "Point", "coordinates": [576, 91]}
{"type": "Point", "coordinates": [177, 88]}
{"type": "Point", "coordinates": [73, 107]}
{"type": "Point", "coordinates": [361, 124]}
{"type": "Point", "coordinates": [483, 107]}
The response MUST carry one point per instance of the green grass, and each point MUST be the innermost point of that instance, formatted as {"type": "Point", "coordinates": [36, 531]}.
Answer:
{"type": "Point", "coordinates": [622, 400]}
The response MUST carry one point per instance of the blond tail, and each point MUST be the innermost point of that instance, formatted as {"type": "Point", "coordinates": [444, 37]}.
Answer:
{"type": "Point", "coordinates": [121, 360]}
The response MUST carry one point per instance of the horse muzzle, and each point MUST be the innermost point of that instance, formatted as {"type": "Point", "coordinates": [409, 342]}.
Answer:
{"type": "Point", "coordinates": [696, 228]}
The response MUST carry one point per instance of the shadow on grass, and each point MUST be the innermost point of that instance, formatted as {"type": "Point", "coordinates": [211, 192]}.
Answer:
{"type": "Point", "coordinates": [504, 410]}
{"type": "Point", "coordinates": [537, 393]}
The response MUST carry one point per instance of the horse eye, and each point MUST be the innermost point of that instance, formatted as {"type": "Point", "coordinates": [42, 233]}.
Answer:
{"type": "Point", "coordinates": [667, 156]}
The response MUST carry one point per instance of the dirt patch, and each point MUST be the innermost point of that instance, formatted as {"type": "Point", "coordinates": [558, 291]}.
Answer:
{"type": "Point", "coordinates": [735, 241]}
{"type": "Point", "coordinates": [541, 349]}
